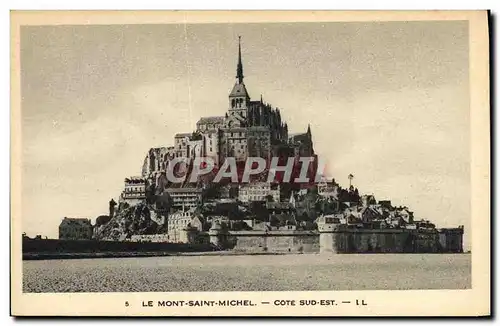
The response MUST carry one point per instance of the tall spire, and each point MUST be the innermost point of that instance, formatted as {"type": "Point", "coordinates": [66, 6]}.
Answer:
{"type": "Point", "coordinates": [239, 69]}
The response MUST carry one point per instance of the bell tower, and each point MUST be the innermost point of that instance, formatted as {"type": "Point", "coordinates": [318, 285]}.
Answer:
{"type": "Point", "coordinates": [239, 98]}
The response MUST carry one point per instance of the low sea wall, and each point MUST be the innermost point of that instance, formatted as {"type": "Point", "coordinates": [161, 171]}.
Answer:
{"type": "Point", "coordinates": [378, 241]}
{"type": "Point", "coordinates": [344, 241]}
{"type": "Point", "coordinates": [94, 246]}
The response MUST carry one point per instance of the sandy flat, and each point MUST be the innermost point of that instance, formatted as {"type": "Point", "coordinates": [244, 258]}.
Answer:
{"type": "Point", "coordinates": [250, 273]}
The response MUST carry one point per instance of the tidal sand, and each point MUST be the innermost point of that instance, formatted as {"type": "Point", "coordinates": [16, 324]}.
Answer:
{"type": "Point", "coordinates": [306, 272]}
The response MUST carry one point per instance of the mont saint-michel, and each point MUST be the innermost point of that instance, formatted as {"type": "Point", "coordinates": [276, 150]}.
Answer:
{"type": "Point", "coordinates": [244, 182]}
{"type": "Point", "coordinates": [267, 166]}
{"type": "Point", "coordinates": [297, 157]}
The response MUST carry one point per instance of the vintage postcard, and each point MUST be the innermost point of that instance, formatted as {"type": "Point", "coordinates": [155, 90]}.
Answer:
{"type": "Point", "coordinates": [232, 163]}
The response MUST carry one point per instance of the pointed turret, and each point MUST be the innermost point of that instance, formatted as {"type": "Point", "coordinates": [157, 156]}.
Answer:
{"type": "Point", "coordinates": [309, 136]}
{"type": "Point", "coordinates": [239, 69]}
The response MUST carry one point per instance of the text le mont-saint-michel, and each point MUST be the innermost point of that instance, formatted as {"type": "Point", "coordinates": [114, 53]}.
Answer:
{"type": "Point", "coordinates": [250, 303]}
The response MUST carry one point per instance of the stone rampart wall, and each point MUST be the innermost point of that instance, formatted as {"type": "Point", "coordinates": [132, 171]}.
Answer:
{"type": "Point", "coordinates": [274, 241]}
{"type": "Point", "coordinates": [343, 241]}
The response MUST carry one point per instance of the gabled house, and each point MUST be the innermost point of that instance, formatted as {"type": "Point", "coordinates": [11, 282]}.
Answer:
{"type": "Point", "coordinates": [370, 214]}
{"type": "Point", "coordinates": [75, 229]}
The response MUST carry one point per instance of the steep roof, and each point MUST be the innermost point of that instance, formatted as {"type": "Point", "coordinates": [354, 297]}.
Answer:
{"type": "Point", "coordinates": [373, 210]}
{"type": "Point", "coordinates": [234, 121]}
{"type": "Point", "coordinates": [239, 90]}
{"type": "Point", "coordinates": [135, 179]}
{"type": "Point", "coordinates": [212, 120]}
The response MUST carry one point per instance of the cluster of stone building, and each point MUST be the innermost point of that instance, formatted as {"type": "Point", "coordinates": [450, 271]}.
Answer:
{"type": "Point", "coordinates": [250, 128]}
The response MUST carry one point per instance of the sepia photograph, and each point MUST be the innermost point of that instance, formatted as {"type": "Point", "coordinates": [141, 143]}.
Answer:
{"type": "Point", "coordinates": [194, 153]}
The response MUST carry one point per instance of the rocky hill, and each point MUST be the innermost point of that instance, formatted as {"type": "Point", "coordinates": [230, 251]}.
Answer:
{"type": "Point", "coordinates": [131, 220]}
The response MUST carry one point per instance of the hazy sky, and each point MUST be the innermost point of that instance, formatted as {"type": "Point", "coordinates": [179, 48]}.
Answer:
{"type": "Point", "coordinates": [387, 102]}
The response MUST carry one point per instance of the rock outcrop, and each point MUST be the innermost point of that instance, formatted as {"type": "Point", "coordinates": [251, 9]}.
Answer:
{"type": "Point", "coordinates": [131, 220]}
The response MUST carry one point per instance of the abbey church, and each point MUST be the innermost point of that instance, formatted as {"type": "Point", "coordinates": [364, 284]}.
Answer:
{"type": "Point", "coordinates": [250, 128]}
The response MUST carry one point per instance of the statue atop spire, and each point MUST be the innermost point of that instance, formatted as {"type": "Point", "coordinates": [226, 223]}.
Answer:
{"type": "Point", "coordinates": [239, 69]}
